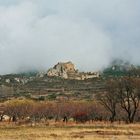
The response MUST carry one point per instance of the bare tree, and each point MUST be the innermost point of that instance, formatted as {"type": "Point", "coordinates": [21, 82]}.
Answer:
{"type": "Point", "coordinates": [109, 98]}
{"type": "Point", "coordinates": [129, 96]}
{"type": "Point", "coordinates": [18, 109]}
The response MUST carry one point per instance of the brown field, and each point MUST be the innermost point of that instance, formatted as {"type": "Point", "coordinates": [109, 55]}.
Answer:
{"type": "Point", "coordinates": [59, 131]}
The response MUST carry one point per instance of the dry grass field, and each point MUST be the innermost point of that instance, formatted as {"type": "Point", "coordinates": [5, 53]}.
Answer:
{"type": "Point", "coordinates": [59, 131]}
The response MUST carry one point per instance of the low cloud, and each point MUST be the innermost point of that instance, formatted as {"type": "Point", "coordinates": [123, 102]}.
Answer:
{"type": "Point", "coordinates": [34, 35]}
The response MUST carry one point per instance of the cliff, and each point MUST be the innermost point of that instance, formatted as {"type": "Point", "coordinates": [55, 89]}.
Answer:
{"type": "Point", "coordinates": [67, 71]}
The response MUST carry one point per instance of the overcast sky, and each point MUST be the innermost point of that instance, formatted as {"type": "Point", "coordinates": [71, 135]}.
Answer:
{"type": "Point", "coordinates": [36, 34]}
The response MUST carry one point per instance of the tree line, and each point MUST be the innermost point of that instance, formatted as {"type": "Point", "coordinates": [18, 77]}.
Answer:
{"type": "Point", "coordinates": [120, 102]}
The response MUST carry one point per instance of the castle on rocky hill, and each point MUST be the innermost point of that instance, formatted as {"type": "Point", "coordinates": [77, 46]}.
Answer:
{"type": "Point", "coordinates": [67, 71]}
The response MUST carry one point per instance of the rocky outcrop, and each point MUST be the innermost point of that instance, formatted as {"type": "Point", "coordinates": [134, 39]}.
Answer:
{"type": "Point", "coordinates": [67, 71]}
{"type": "Point", "coordinates": [62, 70]}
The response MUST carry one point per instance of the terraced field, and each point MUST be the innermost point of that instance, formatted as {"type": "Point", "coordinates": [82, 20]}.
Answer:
{"type": "Point", "coordinates": [51, 88]}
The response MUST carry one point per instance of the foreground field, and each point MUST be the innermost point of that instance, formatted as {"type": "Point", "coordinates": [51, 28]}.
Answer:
{"type": "Point", "coordinates": [71, 132]}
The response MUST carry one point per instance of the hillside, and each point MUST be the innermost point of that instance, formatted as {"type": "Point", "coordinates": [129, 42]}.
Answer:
{"type": "Point", "coordinates": [121, 68]}
{"type": "Point", "coordinates": [43, 86]}
{"type": "Point", "coordinates": [49, 87]}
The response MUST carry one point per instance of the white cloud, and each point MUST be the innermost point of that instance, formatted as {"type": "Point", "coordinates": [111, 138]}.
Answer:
{"type": "Point", "coordinates": [37, 34]}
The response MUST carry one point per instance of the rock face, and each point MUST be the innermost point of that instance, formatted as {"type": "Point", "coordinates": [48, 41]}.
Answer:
{"type": "Point", "coordinates": [61, 70]}
{"type": "Point", "coordinates": [67, 71]}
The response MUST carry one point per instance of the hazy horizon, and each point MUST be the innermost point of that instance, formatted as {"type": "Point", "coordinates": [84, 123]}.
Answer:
{"type": "Point", "coordinates": [35, 35]}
